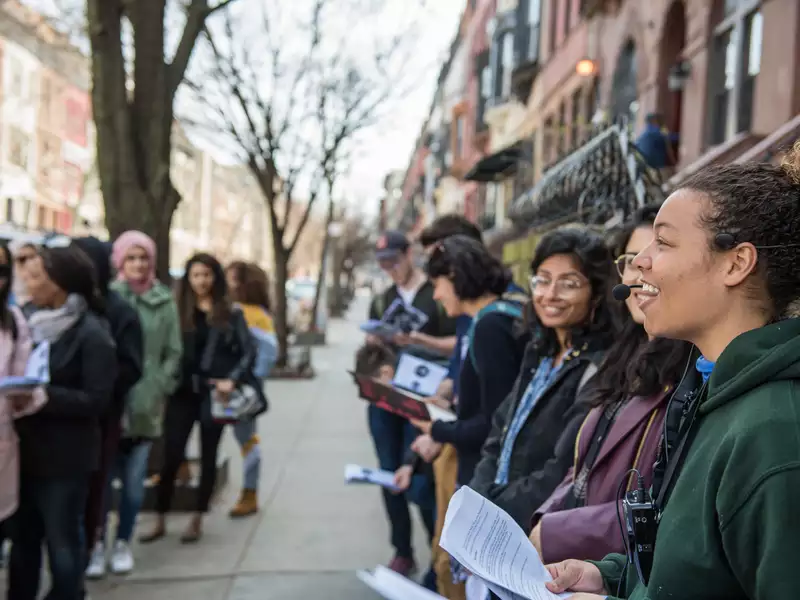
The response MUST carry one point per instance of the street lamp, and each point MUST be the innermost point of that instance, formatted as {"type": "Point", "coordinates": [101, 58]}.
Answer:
{"type": "Point", "coordinates": [586, 67]}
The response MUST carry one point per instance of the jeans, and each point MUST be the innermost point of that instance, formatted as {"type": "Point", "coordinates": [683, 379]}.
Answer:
{"type": "Point", "coordinates": [130, 467]}
{"type": "Point", "coordinates": [51, 511]}
{"type": "Point", "coordinates": [183, 411]}
{"type": "Point", "coordinates": [246, 434]}
{"type": "Point", "coordinates": [392, 436]}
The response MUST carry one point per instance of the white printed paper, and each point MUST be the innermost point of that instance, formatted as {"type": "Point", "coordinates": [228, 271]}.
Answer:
{"type": "Point", "coordinates": [419, 376]}
{"type": "Point", "coordinates": [37, 371]}
{"type": "Point", "coordinates": [357, 474]}
{"type": "Point", "coordinates": [490, 545]}
{"type": "Point", "coordinates": [440, 414]}
{"type": "Point", "coordinates": [393, 586]}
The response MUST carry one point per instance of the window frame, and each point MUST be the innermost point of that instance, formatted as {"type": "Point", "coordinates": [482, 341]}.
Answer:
{"type": "Point", "coordinates": [734, 24]}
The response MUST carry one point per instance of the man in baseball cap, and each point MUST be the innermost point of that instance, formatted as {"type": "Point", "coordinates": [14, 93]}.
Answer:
{"type": "Point", "coordinates": [392, 434]}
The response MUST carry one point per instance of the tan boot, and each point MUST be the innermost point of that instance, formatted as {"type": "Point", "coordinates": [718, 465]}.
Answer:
{"type": "Point", "coordinates": [246, 506]}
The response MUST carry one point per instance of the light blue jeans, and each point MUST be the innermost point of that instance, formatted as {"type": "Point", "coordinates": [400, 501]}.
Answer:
{"type": "Point", "coordinates": [246, 434]}
{"type": "Point", "coordinates": [130, 467]}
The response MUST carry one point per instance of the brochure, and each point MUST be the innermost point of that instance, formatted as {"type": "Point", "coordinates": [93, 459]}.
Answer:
{"type": "Point", "coordinates": [400, 402]}
{"type": "Point", "coordinates": [37, 372]}
{"type": "Point", "coordinates": [418, 375]}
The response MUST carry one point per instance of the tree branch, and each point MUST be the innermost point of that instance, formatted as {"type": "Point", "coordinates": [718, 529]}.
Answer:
{"type": "Point", "coordinates": [196, 14]}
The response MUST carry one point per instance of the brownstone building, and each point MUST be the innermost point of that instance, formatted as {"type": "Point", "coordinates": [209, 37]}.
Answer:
{"type": "Point", "coordinates": [725, 74]}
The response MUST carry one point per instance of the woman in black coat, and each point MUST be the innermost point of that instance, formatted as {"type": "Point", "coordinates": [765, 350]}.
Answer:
{"type": "Point", "coordinates": [60, 444]}
{"type": "Point", "coordinates": [218, 354]}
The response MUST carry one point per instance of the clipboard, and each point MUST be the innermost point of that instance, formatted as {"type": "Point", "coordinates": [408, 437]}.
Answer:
{"type": "Point", "coordinates": [400, 402]}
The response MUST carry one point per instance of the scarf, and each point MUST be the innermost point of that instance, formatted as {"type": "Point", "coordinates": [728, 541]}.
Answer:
{"type": "Point", "coordinates": [50, 324]}
{"type": "Point", "coordinates": [122, 246]}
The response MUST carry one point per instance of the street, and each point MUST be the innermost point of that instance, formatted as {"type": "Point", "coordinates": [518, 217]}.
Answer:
{"type": "Point", "coordinates": [313, 532]}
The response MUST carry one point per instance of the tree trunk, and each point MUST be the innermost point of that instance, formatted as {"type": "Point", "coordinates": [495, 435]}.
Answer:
{"type": "Point", "coordinates": [327, 251]}
{"type": "Point", "coordinates": [279, 313]}
{"type": "Point", "coordinates": [337, 297]}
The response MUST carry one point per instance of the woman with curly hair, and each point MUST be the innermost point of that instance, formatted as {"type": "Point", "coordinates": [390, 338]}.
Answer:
{"type": "Point", "coordinates": [721, 273]}
{"type": "Point", "coordinates": [249, 289]}
{"type": "Point", "coordinates": [572, 327]}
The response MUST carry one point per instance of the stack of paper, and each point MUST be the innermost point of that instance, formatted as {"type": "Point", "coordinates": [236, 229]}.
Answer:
{"type": "Point", "coordinates": [356, 474]}
{"type": "Point", "coordinates": [393, 586]}
{"type": "Point", "coordinates": [490, 545]}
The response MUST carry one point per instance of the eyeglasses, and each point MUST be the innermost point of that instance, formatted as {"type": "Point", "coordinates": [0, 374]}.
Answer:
{"type": "Point", "coordinates": [624, 263]}
{"type": "Point", "coordinates": [563, 287]}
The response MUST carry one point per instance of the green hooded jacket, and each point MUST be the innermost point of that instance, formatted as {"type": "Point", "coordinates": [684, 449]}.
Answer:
{"type": "Point", "coordinates": [163, 347]}
{"type": "Point", "coordinates": [731, 527]}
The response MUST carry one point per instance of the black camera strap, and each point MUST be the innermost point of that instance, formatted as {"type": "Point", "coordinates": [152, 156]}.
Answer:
{"type": "Point", "coordinates": [676, 460]}
{"type": "Point", "coordinates": [599, 435]}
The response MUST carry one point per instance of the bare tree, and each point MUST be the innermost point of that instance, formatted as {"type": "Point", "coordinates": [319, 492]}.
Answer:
{"type": "Point", "coordinates": [292, 100]}
{"type": "Point", "coordinates": [133, 104]}
{"type": "Point", "coordinates": [351, 250]}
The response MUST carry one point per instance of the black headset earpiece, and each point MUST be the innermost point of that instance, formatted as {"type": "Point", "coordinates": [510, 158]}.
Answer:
{"type": "Point", "coordinates": [725, 241]}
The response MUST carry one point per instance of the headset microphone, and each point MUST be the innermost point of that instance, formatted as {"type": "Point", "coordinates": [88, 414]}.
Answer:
{"type": "Point", "coordinates": [622, 292]}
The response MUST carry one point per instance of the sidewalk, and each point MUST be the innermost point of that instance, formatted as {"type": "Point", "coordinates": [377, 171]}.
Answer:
{"type": "Point", "coordinates": [313, 532]}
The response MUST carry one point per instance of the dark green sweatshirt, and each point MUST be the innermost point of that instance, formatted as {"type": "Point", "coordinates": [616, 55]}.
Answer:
{"type": "Point", "coordinates": [731, 528]}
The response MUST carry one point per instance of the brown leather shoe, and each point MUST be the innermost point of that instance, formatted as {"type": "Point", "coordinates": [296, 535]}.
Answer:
{"type": "Point", "coordinates": [246, 506]}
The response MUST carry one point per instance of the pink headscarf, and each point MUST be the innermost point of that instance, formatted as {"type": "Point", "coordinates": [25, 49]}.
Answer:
{"type": "Point", "coordinates": [122, 246]}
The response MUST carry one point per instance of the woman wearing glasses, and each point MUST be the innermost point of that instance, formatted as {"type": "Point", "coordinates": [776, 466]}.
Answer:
{"type": "Point", "coordinates": [572, 327]}
{"type": "Point", "coordinates": [629, 396]}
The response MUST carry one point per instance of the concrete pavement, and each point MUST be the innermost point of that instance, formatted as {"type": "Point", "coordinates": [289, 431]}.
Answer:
{"type": "Point", "coordinates": [313, 532]}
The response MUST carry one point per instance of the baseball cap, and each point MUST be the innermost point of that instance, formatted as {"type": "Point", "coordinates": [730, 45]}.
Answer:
{"type": "Point", "coordinates": [390, 244]}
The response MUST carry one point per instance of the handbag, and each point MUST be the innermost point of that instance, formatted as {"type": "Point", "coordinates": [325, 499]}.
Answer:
{"type": "Point", "coordinates": [246, 401]}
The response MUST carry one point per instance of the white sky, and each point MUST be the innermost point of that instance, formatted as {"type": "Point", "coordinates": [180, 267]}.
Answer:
{"type": "Point", "coordinates": [388, 145]}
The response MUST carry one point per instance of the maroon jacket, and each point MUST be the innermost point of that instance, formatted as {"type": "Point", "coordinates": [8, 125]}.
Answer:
{"type": "Point", "coordinates": [593, 531]}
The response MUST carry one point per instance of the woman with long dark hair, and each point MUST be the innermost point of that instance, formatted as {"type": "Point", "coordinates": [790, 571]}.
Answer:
{"type": "Point", "coordinates": [622, 432]}
{"type": "Point", "coordinates": [60, 444]}
{"type": "Point", "coordinates": [15, 348]}
{"type": "Point", "coordinates": [572, 328]}
{"type": "Point", "coordinates": [218, 354]}
{"type": "Point", "coordinates": [721, 274]}
{"type": "Point", "coordinates": [249, 289]}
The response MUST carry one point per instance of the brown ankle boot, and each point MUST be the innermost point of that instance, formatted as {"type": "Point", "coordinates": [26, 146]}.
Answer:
{"type": "Point", "coordinates": [246, 506]}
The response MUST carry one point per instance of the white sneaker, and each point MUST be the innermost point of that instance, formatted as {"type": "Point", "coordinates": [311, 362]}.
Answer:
{"type": "Point", "coordinates": [97, 563]}
{"type": "Point", "coordinates": [121, 559]}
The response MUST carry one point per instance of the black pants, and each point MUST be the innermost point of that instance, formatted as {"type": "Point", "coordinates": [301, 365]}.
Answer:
{"type": "Point", "coordinates": [183, 411]}
{"type": "Point", "coordinates": [50, 511]}
{"type": "Point", "coordinates": [392, 436]}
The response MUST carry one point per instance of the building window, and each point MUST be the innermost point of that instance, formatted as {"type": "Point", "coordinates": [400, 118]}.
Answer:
{"type": "Point", "coordinates": [547, 141]}
{"type": "Point", "coordinates": [18, 147]}
{"type": "Point", "coordinates": [76, 122]}
{"type": "Point", "coordinates": [459, 137]}
{"type": "Point", "coordinates": [506, 65]}
{"type": "Point", "coordinates": [46, 95]}
{"type": "Point", "coordinates": [15, 78]}
{"type": "Point", "coordinates": [577, 115]}
{"type": "Point", "coordinates": [535, 26]}
{"type": "Point", "coordinates": [554, 6]}
{"type": "Point", "coordinates": [562, 130]}
{"type": "Point", "coordinates": [735, 64]}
